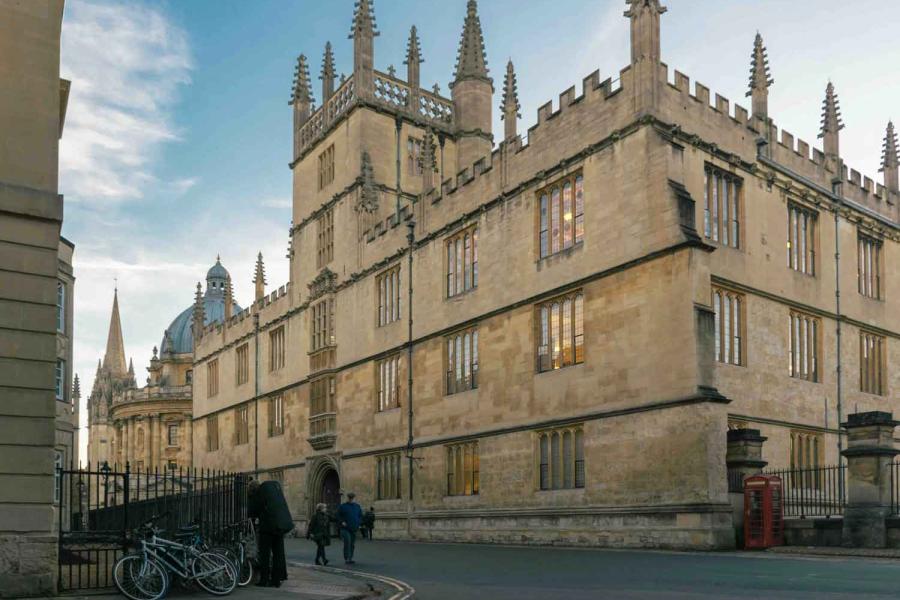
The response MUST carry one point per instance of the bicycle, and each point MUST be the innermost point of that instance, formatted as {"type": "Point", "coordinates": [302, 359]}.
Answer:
{"type": "Point", "coordinates": [146, 575]}
{"type": "Point", "coordinates": [243, 538]}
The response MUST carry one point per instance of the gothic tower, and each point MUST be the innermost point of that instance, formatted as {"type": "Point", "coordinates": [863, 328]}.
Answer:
{"type": "Point", "coordinates": [471, 92]}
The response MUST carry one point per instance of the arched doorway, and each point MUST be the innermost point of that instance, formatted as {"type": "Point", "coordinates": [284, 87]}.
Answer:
{"type": "Point", "coordinates": [330, 491]}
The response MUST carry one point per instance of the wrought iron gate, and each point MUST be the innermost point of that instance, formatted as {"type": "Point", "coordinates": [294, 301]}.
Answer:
{"type": "Point", "coordinates": [99, 505]}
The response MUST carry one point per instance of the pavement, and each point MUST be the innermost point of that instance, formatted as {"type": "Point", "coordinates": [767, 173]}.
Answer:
{"type": "Point", "coordinates": [462, 571]}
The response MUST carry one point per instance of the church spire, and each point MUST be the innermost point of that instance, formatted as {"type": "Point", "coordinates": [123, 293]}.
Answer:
{"type": "Point", "coordinates": [114, 360]}
{"type": "Point", "coordinates": [259, 278]}
{"type": "Point", "coordinates": [760, 78]}
{"type": "Point", "coordinates": [413, 59]}
{"type": "Point", "coordinates": [831, 123]}
{"type": "Point", "coordinates": [76, 389]}
{"type": "Point", "coordinates": [363, 33]}
{"type": "Point", "coordinates": [510, 105]}
{"type": "Point", "coordinates": [327, 75]}
{"type": "Point", "coordinates": [890, 162]}
{"type": "Point", "coordinates": [470, 60]}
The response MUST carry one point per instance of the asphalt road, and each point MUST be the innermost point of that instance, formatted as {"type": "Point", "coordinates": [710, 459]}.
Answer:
{"type": "Point", "coordinates": [456, 571]}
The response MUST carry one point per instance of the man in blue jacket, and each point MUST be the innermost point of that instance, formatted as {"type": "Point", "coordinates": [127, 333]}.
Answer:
{"type": "Point", "coordinates": [349, 516]}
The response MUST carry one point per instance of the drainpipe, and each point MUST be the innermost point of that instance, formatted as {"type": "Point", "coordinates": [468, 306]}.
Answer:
{"type": "Point", "coordinates": [410, 238]}
{"type": "Point", "coordinates": [836, 189]}
{"type": "Point", "coordinates": [398, 124]}
{"type": "Point", "coordinates": [256, 395]}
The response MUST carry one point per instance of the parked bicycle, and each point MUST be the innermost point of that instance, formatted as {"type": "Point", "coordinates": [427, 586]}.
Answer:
{"type": "Point", "coordinates": [148, 574]}
{"type": "Point", "coordinates": [240, 549]}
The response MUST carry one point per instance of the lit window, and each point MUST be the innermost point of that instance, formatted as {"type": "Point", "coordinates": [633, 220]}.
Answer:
{"type": "Point", "coordinates": [561, 332]}
{"type": "Point", "coordinates": [561, 207]}
{"type": "Point", "coordinates": [462, 469]}
{"type": "Point", "coordinates": [462, 361]}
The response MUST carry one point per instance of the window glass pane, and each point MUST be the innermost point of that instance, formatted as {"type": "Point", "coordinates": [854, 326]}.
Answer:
{"type": "Point", "coordinates": [579, 459]}
{"type": "Point", "coordinates": [706, 206]}
{"type": "Point", "coordinates": [579, 209]}
{"type": "Point", "coordinates": [467, 357]}
{"type": "Point", "coordinates": [717, 308]}
{"type": "Point", "coordinates": [736, 330]}
{"type": "Point", "coordinates": [475, 258]}
{"type": "Point", "coordinates": [568, 216]}
{"type": "Point", "coordinates": [555, 458]}
{"type": "Point", "coordinates": [554, 336]}
{"type": "Point", "coordinates": [459, 357]}
{"type": "Point", "coordinates": [451, 274]}
{"type": "Point", "coordinates": [545, 463]}
{"type": "Point", "coordinates": [467, 262]}
{"type": "Point", "coordinates": [715, 207]}
{"type": "Point", "coordinates": [475, 359]}
{"type": "Point", "coordinates": [567, 332]}
{"type": "Point", "coordinates": [568, 461]}
{"type": "Point", "coordinates": [579, 328]}
{"type": "Point", "coordinates": [459, 266]}
{"type": "Point", "coordinates": [554, 221]}
{"type": "Point", "coordinates": [544, 225]}
{"type": "Point", "coordinates": [726, 200]}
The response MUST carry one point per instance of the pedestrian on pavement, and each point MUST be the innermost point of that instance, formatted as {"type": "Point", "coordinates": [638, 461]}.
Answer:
{"type": "Point", "coordinates": [349, 517]}
{"type": "Point", "coordinates": [368, 522]}
{"type": "Point", "coordinates": [267, 504]}
{"type": "Point", "coordinates": [319, 531]}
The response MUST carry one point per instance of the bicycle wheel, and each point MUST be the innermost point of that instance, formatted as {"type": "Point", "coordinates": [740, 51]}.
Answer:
{"type": "Point", "coordinates": [214, 573]}
{"type": "Point", "coordinates": [139, 578]}
{"type": "Point", "coordinates": [245, 574]}
{"type": "Point", "coordinates": [243, 568]}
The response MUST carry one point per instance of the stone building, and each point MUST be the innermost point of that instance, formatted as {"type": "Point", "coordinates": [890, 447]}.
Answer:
{"type": "Point", "coordinates": [32, 113]}
{"type": "Point", "coordinates": [544, 339]}
{"type": "Point", "coordinates": [149, 427]}
{"type": "Point", "coordinates": [68, 389]}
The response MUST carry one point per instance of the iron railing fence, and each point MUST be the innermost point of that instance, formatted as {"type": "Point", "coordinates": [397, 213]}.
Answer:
{"type": "Point", "coordinates": [814, 491]}
{"type": "Point", "coordinates": [101, 504]}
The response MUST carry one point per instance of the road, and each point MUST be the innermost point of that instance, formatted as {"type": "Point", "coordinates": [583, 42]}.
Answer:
{"type": "Point", "coordinates": [457, 571]}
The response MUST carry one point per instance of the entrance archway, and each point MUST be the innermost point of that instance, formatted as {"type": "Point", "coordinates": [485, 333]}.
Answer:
{"type": "Point", "coordinates": [330, 490]}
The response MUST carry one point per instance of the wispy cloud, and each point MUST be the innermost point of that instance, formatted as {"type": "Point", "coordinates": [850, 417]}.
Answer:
{"type": "Point", "coordinates": [276, 202]}
{"type": "Point", "coordinates": [127, 63]}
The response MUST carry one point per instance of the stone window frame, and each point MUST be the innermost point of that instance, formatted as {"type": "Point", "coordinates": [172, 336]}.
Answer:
{"type": "Point", "coordinates": [802, 239]}
{"type": "Point", "coordinates": [461, 262]}
{"type": "Point", "coordinates": [870, 266]}
{"type": "Point", "coordinates": [413, 152]}
{"type": "Point", "coordinates": [60, 380]}
{"type": "Point", "coordinates": [872, 363]}
{"type": "Point", "coordinates": [212, 378]}
{"type": "Point", "coordinates": [326, 167]}
{"type": "Point", "coordinates": [57, 476]}
{"type": "Point", "coordinates": [544, 331]}
{"type": "Point", "coordinates": [242, 364]}
{"type": "Point", "coordinates": [322, 396]}
{"type": "Point", "coordinates": [241, 425]}
{"type": "Point", "coordinates": [172, 465]}
{"type": "Point", "coordinates": [387, 382]}
{"type": "Point", "coordinates": [804, 331]}
{"type": "Point", "coordinates": [60, 306]}
{"type": "Point", "coordinates": [170, 437]}
{"type": "Point", "coordinates": [325, 237]}
{"type": "Point", "coordinates": [558, 465]}
{"type": "Point", "coordinates": [806, 454]}
{"type": "Point", "coordinates": [388, 296]}
{"type": "Point", "coordinates": [461, 375]}
{"type": "Point", "coordinates": [730, 349]}
{"type": "Point", "coordinates": [723, 207]}
{"type": "Point", "coordinates": [551, 201]}
{"type": "Point", "coordinates": [322, 325]}
{"type": "Point", "coordinates": [276, 348]}
{"type": "Point", "coordinates": [462, 467]}
{"type": "Point", "coordinates": [212, 433]}
{"type": "Point", "coordinates": [276, 415]}
{"type": "Point", "coordinates": [388, 476]}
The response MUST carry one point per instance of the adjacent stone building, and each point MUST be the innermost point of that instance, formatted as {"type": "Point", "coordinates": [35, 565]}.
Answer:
{"type": "Point", "coordinates": [544, 339]}
{"type": "Point", "coordinates": [149, 427]}
{"type": "Point", "coordinates": [32, 112]}
{"type": "Point", "coordinates": [68, 388]}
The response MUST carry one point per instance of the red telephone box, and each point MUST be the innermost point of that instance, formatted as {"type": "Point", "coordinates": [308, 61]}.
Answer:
{"type": "Point", "coordinates": [763, 512]}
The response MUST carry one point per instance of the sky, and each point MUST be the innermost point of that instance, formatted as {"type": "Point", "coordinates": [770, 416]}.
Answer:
{"type": "Point", "coordinates": [178, 132]}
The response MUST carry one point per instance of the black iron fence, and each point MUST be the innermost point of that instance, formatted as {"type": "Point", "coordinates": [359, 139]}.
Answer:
{"type": "Point", "coordinates": [100, 505]}
{"type": "Point", "coordinates": [813, 492]}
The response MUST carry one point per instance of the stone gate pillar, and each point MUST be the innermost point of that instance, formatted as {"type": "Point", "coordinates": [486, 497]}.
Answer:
{"type": "Point", "coordinates": [869, 453]}
{"type": "Point", "coordinates": [744, 453]}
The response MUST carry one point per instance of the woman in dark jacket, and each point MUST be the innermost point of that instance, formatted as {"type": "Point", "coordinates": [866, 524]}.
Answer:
{"type": "Point", "coordinates": [319, 531]}
{"type": "Point", "coordinates": [267, 504]}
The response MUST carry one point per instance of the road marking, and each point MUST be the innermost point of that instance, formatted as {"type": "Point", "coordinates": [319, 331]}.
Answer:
{"type": "Point", "coordinates": [404, 590]}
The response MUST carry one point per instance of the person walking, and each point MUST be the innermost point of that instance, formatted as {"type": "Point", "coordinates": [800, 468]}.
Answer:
{"type": "Point", "coordinates": [267, 504]}
{"type": "Point", "coordinates": [349, 518]}
{"type": "Point", "coordinates": [368, 522]}
{"type": "Point", "coordinates": [319, 531]}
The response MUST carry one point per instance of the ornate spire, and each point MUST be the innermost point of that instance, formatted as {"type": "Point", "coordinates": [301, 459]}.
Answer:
{"type": "Point", "coordinates": [510, 104]}
{"type": "Point", "coordinates": [114, 360]}
{"type": "Point", "coordinates": [760, 76]}
{"type": "Point", "coordinates": [890, 163]}
{"type": "Point", "coordinates": [831, 112]}
{"type": "Point", "coordinates": [131, 367]}
{"type": "Point", "coordinates": [327, 75]}
{"type": "Point", "coordinates": [363, 20]}
{"type": "Point", "coordinates": [199, 314]}
{"type": "Point", "coordinates": [831, 124]}
{"type": "Point", "coordinates": [229, 298]}
{"type": "Point", "coordinates": [470, 60]}
{"type": "Point", "coordinates": [76, 389]}
{"type": "Point", "coordinates": [259, 277]}
{"type": "Point", "coordinates": [368, 192]}
{"type": "Point", "coordinates": [413, 58]}
{"type": "Point", "coordinates": [428, 156]}
{"type": "Point", "coordinates": [644, 15]}
{"type": "Point", "coordinates": [302, 92]}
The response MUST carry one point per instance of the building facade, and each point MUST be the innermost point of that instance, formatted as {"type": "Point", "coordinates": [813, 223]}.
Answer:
{"type": "Point", "coordinates": [68, 388]}
{"type": "Point", "coordinates": [149, 427]}
{"type": "Point", "coordinates": [32, 112]}
{"type": "Point", "coordinates": [545, 340]}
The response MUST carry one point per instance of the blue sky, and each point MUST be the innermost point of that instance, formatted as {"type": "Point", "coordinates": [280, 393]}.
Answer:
{"type": "Point", "coordinates": [178, 131]}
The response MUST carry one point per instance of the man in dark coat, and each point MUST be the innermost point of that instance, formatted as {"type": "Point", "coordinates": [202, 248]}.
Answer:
{"type": "Point", "coordinates": [350, 517]}
{"type": "Point", "coordinates": [267, 504]}
{"type": "Point", "coordinates": [368, 523]}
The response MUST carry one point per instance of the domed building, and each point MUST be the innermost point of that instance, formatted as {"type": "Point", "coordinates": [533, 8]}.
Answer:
{"type": "Point", "coordinates": [150, 427]}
